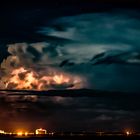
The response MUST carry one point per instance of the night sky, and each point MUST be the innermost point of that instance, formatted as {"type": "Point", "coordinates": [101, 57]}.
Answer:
{"type": "Point", "coordinates": [94, 44]}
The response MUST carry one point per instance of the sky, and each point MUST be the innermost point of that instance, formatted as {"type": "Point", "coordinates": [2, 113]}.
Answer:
{"type": "Point", "coordinates": [71, 45]}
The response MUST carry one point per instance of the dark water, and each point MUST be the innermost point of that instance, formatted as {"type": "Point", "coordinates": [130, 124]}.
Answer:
{"type": "Point", "coordinates": [57, 113]}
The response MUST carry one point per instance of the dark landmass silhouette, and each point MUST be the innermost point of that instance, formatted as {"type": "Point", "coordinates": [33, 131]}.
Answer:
{"type": "Point", "coordinates": [71, 93]}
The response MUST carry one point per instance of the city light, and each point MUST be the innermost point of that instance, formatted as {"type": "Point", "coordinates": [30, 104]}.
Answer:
{"type": "Point", "coordinates": [44, 133]}
{"type": "Point", "coordinates": [40, 131]}
{"type": "Point", "coordinates": [20, 133]}
{"type": "Point", "coordinates": [128, 133]}
{"type": "Point", "coordinates": [26, 133]}
{"type": "Point", "coordinates": [2, 132]}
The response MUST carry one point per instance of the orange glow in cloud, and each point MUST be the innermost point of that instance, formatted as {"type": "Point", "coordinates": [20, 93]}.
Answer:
{"type": "Point", "coordinates": [22, 78]}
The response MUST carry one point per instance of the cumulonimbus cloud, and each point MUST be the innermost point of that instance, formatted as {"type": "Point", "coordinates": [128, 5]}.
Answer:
{"type": "Point", "coordinates": [104, 38]}
{"type": "Point", "coordinates": [21, 71]}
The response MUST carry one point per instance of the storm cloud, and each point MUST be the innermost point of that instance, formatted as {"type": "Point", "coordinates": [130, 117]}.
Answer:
{"type": "Point", "coordinates": [29, 67]}
{"type": "Point", "coordinates": [109, 40]}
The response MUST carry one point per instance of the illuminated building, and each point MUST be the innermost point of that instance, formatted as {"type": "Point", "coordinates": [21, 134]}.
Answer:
{"type": "Point", "coordinates": [2, 132]}
{"type": "Point", "coordinates": [40, 131]}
